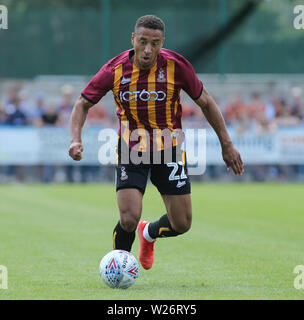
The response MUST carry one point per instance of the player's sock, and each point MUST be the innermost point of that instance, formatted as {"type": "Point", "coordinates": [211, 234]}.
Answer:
{"type": "Point", "coordinates": [159, 228]}
{"type": "Point", "coordinates": [122, 239]}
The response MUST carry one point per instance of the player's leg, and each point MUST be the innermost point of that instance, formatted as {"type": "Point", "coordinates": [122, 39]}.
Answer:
{"type": "Point", "coordinates": [130, 206]}
{"type": "Point", "coordinates": [130, 186]}
{"type": "Point", "coordinates": [176, 221]}
{"type": "Point", "coordinates": [173, 184]}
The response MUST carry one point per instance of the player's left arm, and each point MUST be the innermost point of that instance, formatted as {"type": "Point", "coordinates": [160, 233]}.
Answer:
{"type": "Point", "coordinates": [230, 154]}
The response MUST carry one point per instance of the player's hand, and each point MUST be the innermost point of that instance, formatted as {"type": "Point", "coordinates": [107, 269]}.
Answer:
{"type": "Point", "coordinates": [233, 159]}
{"type": "Point", "coordinates": [75, 151]}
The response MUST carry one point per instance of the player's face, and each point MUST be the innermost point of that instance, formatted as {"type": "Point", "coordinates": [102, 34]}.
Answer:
{"type": "Point", "coordinates": [146, 43]}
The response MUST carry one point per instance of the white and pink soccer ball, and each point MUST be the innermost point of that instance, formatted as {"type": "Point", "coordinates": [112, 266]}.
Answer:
{"type": "Point", "coordinates": [119, 269]}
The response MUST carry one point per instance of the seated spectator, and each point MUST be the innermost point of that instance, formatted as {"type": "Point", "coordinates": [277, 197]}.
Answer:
{"type": "Point", "coordinates": [234, 109]}
{"type": "Point", "coordinates": [38, 110]}
{"type": "Point", "coordinates": [285, 117]}
{"type": "Point", "coordinates": [3, 115]}
{"type": "Point", "coordinates": [256, 107]}
{"type": "Point", "coordinates": [50, 116]}
{"type": "Point", "coordinates": [16, 117]}
{"type": "Point", "coordinates": [97, 116]}
{"type": "Point", "coordinates": [243, 124]}
{"type": "Point", "coordinates": [270, 112]}
{"type": "Point", "coordinates": [67, 103]}
{"type": "Point", "coordinates": [261, 114]}
{"type": "Point", "coordinates": [297, 106]}
{"type": "Point", "coordinates": [263, 125]}
{"type": "Point", "coordinates": [11, 95]}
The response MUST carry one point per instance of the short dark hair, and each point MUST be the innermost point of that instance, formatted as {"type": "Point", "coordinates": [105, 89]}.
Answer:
{"type": "Point", "coordinates": [151, 22]}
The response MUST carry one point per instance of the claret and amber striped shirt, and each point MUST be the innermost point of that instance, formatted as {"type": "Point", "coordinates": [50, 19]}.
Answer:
{"type": "Point", "coordinates": [146, 99]}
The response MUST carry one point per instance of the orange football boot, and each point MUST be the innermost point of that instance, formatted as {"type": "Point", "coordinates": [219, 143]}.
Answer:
{"type": "Point", "coordinates": [146, 248]}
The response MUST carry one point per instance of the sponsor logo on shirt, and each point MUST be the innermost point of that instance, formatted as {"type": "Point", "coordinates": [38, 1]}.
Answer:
{"type": "Point", "coordinates": [143, 95]}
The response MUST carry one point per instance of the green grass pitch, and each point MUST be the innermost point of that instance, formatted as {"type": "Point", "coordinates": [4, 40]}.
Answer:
{"type": "Point", "coordinates": [244, 243]}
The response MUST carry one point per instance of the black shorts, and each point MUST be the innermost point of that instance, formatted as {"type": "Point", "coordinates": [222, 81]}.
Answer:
{"type": "Point", "coordinates": [170, 178]}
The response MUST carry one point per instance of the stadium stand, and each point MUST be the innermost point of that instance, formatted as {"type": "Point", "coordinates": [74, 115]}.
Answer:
{"type": "Point", "coordinates": [259, 104]}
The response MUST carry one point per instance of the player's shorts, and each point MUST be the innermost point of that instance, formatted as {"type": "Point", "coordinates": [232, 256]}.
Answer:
{"type": "Point", "coordinates": [170, 178]}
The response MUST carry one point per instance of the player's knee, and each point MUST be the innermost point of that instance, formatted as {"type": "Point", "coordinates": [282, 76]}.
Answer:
{"type": "Point", "coordinates": [129, 222]}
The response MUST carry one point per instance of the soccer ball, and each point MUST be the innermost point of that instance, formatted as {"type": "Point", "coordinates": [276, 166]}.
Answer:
{"type": "Point", "coordinates": [119, 269]}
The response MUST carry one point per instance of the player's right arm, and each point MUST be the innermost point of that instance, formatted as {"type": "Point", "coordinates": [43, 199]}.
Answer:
{"type": "Point", "coordinates": [78, 117]}
{"type": "Point", "coordinates": [100, 84]}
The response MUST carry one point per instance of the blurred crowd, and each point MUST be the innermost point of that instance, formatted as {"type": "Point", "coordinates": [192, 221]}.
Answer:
{"type": "Point", "coordinates": [240, 113]}
{"type": "Point", "coordinates": [254, 113]}
{"type": "Point", "coordinates": [16, 110]}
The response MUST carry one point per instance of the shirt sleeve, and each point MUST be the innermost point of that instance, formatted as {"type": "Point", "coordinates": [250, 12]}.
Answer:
{"type": "Point", "coordinates": [100, 84]}
{"type": "Point", "coordinates": [188, 79]}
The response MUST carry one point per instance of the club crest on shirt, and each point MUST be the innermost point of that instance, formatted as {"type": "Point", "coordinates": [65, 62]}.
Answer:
{"type": "Point", "coordinates": [161, 76]}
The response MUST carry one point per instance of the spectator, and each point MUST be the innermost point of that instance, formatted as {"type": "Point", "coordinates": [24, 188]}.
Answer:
{"type": "Point", "coordinates": [243, 123]}
{"type": "Point", "coordinates": [38, 110]}
{"type": "Point", "coordinates": [256, 107]}
{"type": "Point", "coordinates": [270, 112]}
{"type": "Point", "coordinates": [262, 115]}
{"type": "Point", "coordinates": [50, 116]}
{"type": "Point", "coordinates": [234, 109]}
{"type": "Point", "coordinates": [65, 109]}
{"type": "Point", "coordinates": [97, 116]}
{"type": "Point", "coordinates": [297, 107]}
{"type": "Point", "coordinates": [3, 115]}
{"type": "Point", "coordinates": [16, 117]}
{"type": "Point", "coordinates": [67, 103]}
{"type": "Point", "coordinates": [285, 117]}
{"type": "Point", "coordinates": [12, 95]}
